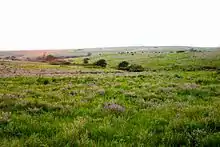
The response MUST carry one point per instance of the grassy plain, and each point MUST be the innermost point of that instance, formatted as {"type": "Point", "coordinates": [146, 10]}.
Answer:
{"type": "Point", "coordinates": [174, 102]}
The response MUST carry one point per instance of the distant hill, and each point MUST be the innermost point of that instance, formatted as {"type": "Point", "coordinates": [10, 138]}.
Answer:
{"type": "Point", "coordinates": [84, 51]}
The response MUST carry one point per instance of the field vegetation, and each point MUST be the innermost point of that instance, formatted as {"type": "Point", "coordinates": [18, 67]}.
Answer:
{"type": "Point", "coordinates": [173, 101]}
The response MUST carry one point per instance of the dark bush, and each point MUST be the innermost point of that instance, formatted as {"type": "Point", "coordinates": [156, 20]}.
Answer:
{"type": "Point", "coordinates": [218, 70]}
{"type": "Point", "coordinates": [50, 58]}
{"type": "Point", "coordinates": [86, 60]}
{"type": "Point", "coordinates": [135, 68]}
{"type": "Point", "coordinates": [123, 65]}
{"type": "Point", "coordinates": [180, 51]}
{"type": "Point", "coordinates": [101, 62]}
{"type": "Point", "coordinates": [44, 81]}
{"type": "Point", "coordinates": [193, 50]}
{"type": "Point", "coordinates": [89, 54]}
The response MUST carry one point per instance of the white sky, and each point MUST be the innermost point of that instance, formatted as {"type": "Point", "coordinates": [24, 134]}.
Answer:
{"type": "Point", "coordinates": [54, 24]}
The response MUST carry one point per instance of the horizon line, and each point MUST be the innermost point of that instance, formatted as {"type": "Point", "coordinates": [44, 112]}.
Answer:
{"type": "Point", "coordinates": [110, 47]}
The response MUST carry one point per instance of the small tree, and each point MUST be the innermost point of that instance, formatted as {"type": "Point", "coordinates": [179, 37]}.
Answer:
{"type": "Point", "coordinates": [192, 50]}
{"type": "Point", "coordinates": [135, 68]}
{"type": "Point", "coordinates": [89, 54]}
{"type": "Point", "coordinates": [123, 65]}
{"type": "Point", "coordinates": [181, 51]}
{"type": "Point", "coordinates": [50, 58]}
{"type": "Point", "coordinates": [86, 60]}
{"type": "Point", "coordinates": [101, 62]}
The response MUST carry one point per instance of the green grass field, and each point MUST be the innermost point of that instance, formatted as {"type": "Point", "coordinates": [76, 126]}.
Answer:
{"type": "Point", "coordinates": [174, 102]}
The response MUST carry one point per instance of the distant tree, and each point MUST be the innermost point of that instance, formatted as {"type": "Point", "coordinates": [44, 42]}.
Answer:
{"type": "Point", "coordinates": [135, 68]}
{"type": "Point", "coordinates": [101, 62]}
{"type": "Point", "coordinates": [7, 58]}
{"type": "Point", "coordinates": [123, 65]}
{"type": "Point", "coordinates": [181, 51]}
{"type": "Point", "coordinates": [86, 60]}
{"type": "Point", "coordinates": [13, 58]}
{"type": "Point", "coordinates": [89, 54]}
{"type": "Point", "coordinates": [192, 50]}
{"type": "Point", "coordinates": [50, 58]}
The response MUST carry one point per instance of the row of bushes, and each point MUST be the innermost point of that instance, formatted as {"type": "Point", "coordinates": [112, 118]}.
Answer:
{"type": "Point", "coordinates": [124, 65]}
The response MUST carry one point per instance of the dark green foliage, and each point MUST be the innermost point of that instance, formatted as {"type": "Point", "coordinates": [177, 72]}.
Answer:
{"type": "Point", "coordinates": [194, 50]}
{"type": "Point", "coordinates": [50, 58]}
{"type": "Point", "coordinates": [89, 54]}
{"type": "Point", "coordinates": [86, 60]}
{"type": "Point", "coordinates": [180, 51]}
{"type": "Point", "coordinates": [46, 81]}
{"type": "Point", "coordinates": [123, 65]}
{"type": "Point", "coordinates": [42, 80]}
{"type": "Point", "coordinates": [101, 63]}
{"type": "Point", "coordinates": [135, 68]}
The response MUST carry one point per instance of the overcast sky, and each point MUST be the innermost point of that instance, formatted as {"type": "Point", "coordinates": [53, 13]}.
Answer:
{"type": "Point", "coordinates": [54, 24]}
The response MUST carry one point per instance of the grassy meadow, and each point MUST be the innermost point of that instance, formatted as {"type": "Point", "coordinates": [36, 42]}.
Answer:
{"type": "Point", "coordinates": [174, 102]}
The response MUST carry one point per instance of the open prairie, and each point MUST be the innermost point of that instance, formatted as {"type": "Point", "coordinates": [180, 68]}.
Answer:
{"type": "Point", "coordinates": [174, 101]}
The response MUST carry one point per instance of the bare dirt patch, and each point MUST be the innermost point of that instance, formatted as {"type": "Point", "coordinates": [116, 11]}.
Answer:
{"type": "Point", "coordinates": [7, 70]}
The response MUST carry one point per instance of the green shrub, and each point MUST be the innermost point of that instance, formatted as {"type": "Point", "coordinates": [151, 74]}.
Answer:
{"type": "Point", "coordinates": [135, 68]}
{"type": "Point", "coordinates": [86, 60]}
{"type": "Point", "coordinates": [50, 58]}
{"type": "Point", "coordinates": [101, 62]}
{"type": "Point", "coordinates": [123, 65]}
{"type": "Point", "coordinates": [42, 80]}
{"type": "Point", "coordinates": [180, 51]}
{"type": "Point", "coordinates": [89, 54]}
